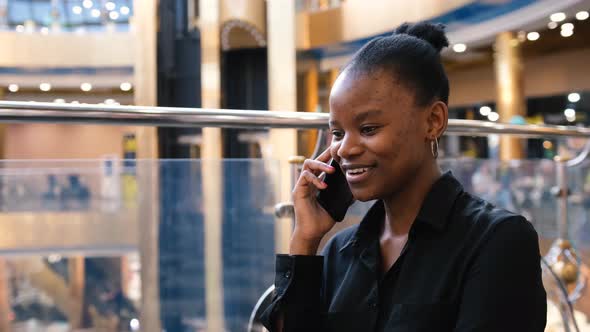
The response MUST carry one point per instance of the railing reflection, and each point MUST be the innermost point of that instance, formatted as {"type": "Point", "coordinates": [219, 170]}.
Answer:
{"type": "Point", "coordinates": [53, 212]}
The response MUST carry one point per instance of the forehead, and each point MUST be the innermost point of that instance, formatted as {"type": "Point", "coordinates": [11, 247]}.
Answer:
{"type": "Point", "coordinates": [361, 91]}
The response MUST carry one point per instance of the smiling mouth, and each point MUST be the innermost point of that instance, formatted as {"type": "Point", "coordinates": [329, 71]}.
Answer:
{"type": "Point", "coordinates": [358, 175]}
{"type": "Point", "coordinates": [357, 171]}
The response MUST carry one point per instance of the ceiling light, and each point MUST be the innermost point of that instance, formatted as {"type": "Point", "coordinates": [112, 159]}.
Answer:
{"type": "Point", "coordinates": [45, 87]}
{"type": "Point", "coordinates": [125, 10]}
{"type": "Point", "coordinates": [557, 17]}
{"type": "Point", "coordinates": [459, 48]}
{"type": "Point", "coordinates": [75, 102]}
{"type": "Point", "coordinates": [570, 118]}
{"type": "Point", "coordinates": [59, 100]}
{"type": "Point", "coordinates": [86, 87]}
{"type": "Point", "coordinates": [13, 87]}
{"type": "Point", "coordinates": [110, 5]}
{"type": "Point", "coordinates": [485, 110]}
{"type": "Point", "coordinates": [95, 12]}
{"type": "Point", "coordinates": [20, 28]}
{"type": "Point", "coordinates": [552, 25]}
{"type": "Point", "coordinates": [77, 10]}
{"type": "Point", "coordinates": [110, 101]}
{"type": "Point", "coordinates": [569, 112]}
{"type": "Point", "coordinates": [114, 15]}
{"type": "Point", "coordinates": [134, 324]}
{"type": "Point", "coordinates": [567, 33]}
{"type": "Point", "coordinates": [87, 4]}
{"type": "Point", "coordinates": [567, 26]}
{"type": "Point", "coordinates": [583, 15]}
{"type": "Point", "coordinates": [532, 36]}
{"type": "Point", "coordinates": [493, 116]}
{"type": "Point", "coordinates": [125, 86]}
{"type": "Point", "coordinates": [573, 97]}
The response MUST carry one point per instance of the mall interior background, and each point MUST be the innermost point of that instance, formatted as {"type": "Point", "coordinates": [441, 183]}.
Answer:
{"type": "Point", "coordinates": [128, 228]}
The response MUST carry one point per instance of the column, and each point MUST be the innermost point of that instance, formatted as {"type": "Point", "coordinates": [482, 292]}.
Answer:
{"type": "Point", "coordinates": [510, 90]}
{"type": "Point", "coordinates": [4, 285]}
{"type": "Point", "coordinates": [311, 104]}
{"type": "Point", "coordinates": [76, 283]}
{"type": "Point", "coordinates": [144, 25]}
{"type": "Point", "coordinates": [211, 153]}
{"type": "Point", "coordinates": [282, 95]}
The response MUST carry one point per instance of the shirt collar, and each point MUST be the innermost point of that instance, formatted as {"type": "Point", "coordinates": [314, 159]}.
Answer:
{"type": "Point", "coordinates": [435, 210]}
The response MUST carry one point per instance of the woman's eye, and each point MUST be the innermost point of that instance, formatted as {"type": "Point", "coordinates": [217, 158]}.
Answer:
{"type": "Point", "coordinates": [337, 134]}
{"type": "Point", "coordinates": [368, 130]}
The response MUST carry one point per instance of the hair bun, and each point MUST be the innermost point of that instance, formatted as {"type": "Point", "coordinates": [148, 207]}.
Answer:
{"type": "Point", "coordinates": [433, 33]}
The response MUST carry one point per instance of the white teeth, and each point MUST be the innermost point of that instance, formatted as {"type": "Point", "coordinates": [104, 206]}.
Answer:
{"type": "Point", "coordinates": [356, 171]}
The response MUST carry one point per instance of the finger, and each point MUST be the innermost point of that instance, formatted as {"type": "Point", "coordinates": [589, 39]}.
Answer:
{"type": "Point", "coordinates": [316, 166]}
{"type": "Point", "coordinates": [324, 156]}
{"type": "Point", "coordinates": [307, 178]}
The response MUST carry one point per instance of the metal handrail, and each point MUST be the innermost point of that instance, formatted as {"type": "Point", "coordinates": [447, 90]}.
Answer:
{"type": "Point", "coordinates": [34, 112]}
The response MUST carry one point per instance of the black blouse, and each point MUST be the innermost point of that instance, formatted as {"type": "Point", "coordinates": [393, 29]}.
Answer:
{"type": "Point", "coordinates": [467, 266]}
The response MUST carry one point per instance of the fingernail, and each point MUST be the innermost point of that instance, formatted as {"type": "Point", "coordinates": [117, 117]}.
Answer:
{"type": "Point", "coordinates": [331, 167]}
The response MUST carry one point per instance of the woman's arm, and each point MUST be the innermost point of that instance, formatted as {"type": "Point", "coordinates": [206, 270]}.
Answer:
{"type": "Point", "coordinates": [297, 304]}
{"type": "Point", "coordinates": [503, 290]}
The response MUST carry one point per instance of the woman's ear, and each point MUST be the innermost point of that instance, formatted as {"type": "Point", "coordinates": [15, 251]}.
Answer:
{"type": "Point", "coordinates": [438, 117]}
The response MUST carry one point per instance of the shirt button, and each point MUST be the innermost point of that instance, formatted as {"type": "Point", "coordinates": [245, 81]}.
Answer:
{"type": "Point", "coordinates": [354, 243]}
{"type": "Point", "coordinates": [288, 274]}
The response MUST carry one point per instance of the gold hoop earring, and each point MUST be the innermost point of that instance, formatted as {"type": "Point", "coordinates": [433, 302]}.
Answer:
{"type": "Point", "coordinates": [434, 147]}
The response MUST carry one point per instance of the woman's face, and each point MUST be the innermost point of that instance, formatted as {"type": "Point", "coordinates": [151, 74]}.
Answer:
{"type": "Point", "coordinates": [379, 135]}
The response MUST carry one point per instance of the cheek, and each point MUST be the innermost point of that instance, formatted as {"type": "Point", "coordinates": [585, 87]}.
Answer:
{"type": "Point", "coordinates": [334, 150]}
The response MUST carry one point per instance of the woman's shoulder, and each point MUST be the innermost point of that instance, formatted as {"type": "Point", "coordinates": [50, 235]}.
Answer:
{"type": "Point", "coordinates": [339, 240]}
{"type": "Point", "coordinates": [481, 217]}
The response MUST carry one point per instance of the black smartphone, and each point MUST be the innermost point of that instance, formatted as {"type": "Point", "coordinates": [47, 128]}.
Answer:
{"type": "Point", "coordinates": [337, 197]}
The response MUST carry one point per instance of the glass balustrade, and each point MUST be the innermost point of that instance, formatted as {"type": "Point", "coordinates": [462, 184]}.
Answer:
{"type": "Point", "coordinates": [71, 233]}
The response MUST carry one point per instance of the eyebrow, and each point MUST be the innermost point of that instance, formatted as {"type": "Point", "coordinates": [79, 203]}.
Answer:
{"type": "Point", "coordinates": [362, 116]}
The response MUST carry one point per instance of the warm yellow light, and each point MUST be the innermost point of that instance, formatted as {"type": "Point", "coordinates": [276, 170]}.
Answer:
{"type": "Point", "coordinates": [485, 110]}
{"type": "Point", "coordinates": [532, 36]}
{"type": "Point", "coordinates": [547, 145]}
{"type": "Point", "coordinates": [13, 87]}
{"type": "Point", "coordinates": [125, 86]}
{"type": "Point", "coordinates": [567, 33]}
{"type": "Point", "coordinates": [459, 48]}
{"type": "Point", "coordinates": [45, 87]}
{"type": "Point", "coordinates": [493, 116]}
{"type": "Point", "coordinates": [573, 97]}
{"type": "Point", "coordinates": [124, 10]}
{"type": "Point", "coordinates": [557, 17]}
{"type": "Point", "coordinates": [86, 87]}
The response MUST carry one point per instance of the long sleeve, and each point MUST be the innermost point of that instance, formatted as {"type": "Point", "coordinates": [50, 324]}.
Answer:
{"type": "Point", "coordinates": [503, 289]}
{"type": "Point", "coordinates": [298, 289]}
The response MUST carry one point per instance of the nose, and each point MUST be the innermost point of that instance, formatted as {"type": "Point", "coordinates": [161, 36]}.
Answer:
{"type": "Point", "coordinates": [349, 147]}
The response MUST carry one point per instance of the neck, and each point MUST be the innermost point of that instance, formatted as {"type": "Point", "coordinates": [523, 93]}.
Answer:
{"type": "Point", "coordinates": [401, 209]}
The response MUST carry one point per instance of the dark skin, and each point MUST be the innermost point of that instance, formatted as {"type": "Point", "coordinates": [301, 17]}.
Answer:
{"type": "Point", "coordinates": [376, 125]}
{"type": "Point", "coordinates": [382, 140]}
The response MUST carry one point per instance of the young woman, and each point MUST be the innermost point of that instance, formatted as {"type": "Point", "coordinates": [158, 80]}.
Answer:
{"type": "Point", "coordinates": [428, 256]}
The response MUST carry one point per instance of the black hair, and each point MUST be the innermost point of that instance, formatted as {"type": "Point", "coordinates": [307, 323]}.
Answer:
{"type": "Point", "coordinates": [412, 55]}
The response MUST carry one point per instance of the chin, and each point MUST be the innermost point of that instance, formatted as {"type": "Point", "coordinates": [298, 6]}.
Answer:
{"type": "Point", "coordinates": [363, 195]}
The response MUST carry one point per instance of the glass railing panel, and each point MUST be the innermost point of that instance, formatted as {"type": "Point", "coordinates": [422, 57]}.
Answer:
{"type": "Point", "coordinates": [217, 234]}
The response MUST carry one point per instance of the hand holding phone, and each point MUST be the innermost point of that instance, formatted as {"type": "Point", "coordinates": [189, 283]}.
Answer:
{"type": "Point", "coordinates": [337, 197]}
{"type": "Point", "coordinates": [312, 221]}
